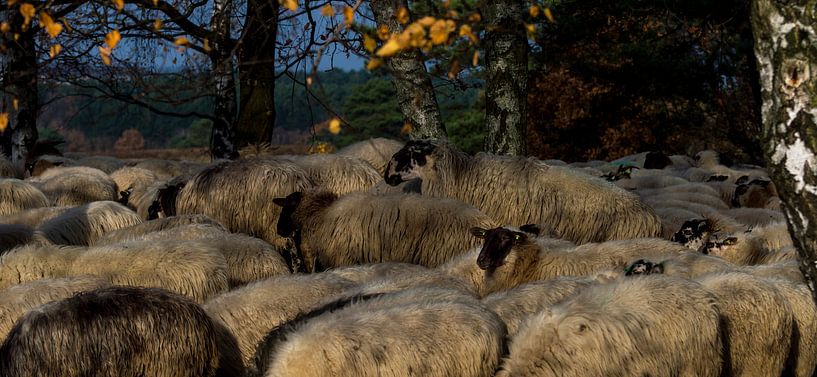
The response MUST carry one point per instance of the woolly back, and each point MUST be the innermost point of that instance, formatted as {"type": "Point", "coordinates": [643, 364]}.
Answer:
{"type": "Point", "coordinates": [375, 151]}
{"type": "Point", "coordinates": [35, 262]}
{"type": "Point", "coordinates": [17, 196]}
{"type": "Point", "coordinates": [239, 194]}
{"type": "Point", "coordinates": [158, 225]}
{"type": "Point", "coordinates": [77, 185]}
{"type": "Point", "coordinates": [338, 174]}
{"type": "Point", "coordinates": [83, 225]}
{"type": "Point", "coordinates": [129, 177]}
{"type": "Point", "coordinates": [116, 331]}
{"type": "Point", "coordinates": [13, 235]}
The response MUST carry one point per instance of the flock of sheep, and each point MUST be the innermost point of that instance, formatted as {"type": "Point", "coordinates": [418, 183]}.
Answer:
{"type": "Point", "coordinates": [392, 259]}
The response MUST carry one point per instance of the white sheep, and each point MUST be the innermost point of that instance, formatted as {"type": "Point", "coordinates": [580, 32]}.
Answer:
{"type": "Point", "coordinates": [357, 228]}
{"type": "Point", "coordinates": [132, 182]}
{"type": "Point", "coordinates": [141, 229]}
{"type": "Point", "coordinates": [758, 246]}
{"type": "Point", "coordinates": [75, 185]}
{"type": "Point", "coordinates": [336, 173]}
{"type": "Point", "coordinates": [375, 151]}
{"type": "Point", "coordinates": [34, 262]}
{"type": "Point", "coordinates": [17, 196]}
{"type": "Point", "coordinates": [643, 326]}
{"type": "Point", "coordinates": [516, 190]}
{"type": "Point", "coordinates": [83, 225]}
{"type": "Point", "coordinates": [105, 163]}
{"type": "Point", "coordinates": [754, 217]}
{"type": "Point", "coordinates": [802, 360]}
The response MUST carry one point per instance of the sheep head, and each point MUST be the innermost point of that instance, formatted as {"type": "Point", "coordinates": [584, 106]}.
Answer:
{"type": "Point", "coordinates": [498, 244]}
{"type": "Point", "coordinates": [644, 267]}
{"type": "Point", "coordinates": [298, 207]}
{"type": "Point", "coordinates": [406, 164]}
{"type": "Point", "coordinates": [693, 233]}
{"type": "Point", "coordinates": [286, 226]}
{"type": "Point", "coordinates": [722, 248]}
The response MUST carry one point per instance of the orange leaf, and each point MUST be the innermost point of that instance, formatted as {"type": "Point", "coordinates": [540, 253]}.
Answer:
{"type": "Point", "coordinates": [334, 126]}
{"type": "Point", "coordinates": [374, 64]}
{"type": "Point", "coordinates": [549, 15]}
{"type": "Point", "coordinates": [440, 30]}
{"type": "Point", "coordinates": [292, 5]}
{"type": "Point", "coordinates": [390, 48]}
{"type": "Point", "coordinates": [534, 11]}
{"type": "Point", "coordinates": [4, 121]}
{"type": "Point", "coordinates": [348, 15]}
{"type": "Point", "coordinates": [157, 24]}
{"type": "Point", "coordinates": [52, 28]}
{"type": "Point", "coordinates": [465, 31]}
{"type": "Point", "coordinates": [181, 41]}
{"type": "Point", "coordinates": [427, 21]}
{"type": "Point", "coordinates": [112, 39]}
{"type": "Point", "coordinates": [383, 32]}
{"type": "Point", "coordinates": [328, 10]}
{"type": "Point", "coordinates": [54, 50]}
{"type": "Point", "coordinates": [407, 127]}
{"type": "Point", "coordinates": [11, 3]}
{"type": "Point", "coordinates": [403, 15]}
{"type": "Point", "coordinates": [369, 43]}
{"type": "Point", "coordinates": [120, 4]}
{"type": "Point", "coordinates": [4, 27]}
{"type": "Point", "coordinates": [28, 11]}
{"type": "Point", "coordinates": [206, 45]}
{"type": "Point", "coordinates": [105, 54]}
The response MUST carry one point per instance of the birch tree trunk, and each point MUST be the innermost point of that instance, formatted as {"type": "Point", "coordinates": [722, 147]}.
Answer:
{"type": "Point", "coordinates": [222, 141]}
{"type": "Point", "coordinates": [20, 85]}
{"type": "Point", "coordinates": [256, 73]}
{"type": "Point", "coordinates": [506, 68]}
{"type": "Point", "coordinates": [415, 92]}
{"type": "Point", "coordinates": [786, 51]}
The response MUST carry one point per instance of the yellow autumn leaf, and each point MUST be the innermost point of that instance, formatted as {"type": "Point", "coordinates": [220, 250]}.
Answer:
{"type": "Point", "coordinates": [120, 4]}
{"type": "Point", "coordinates": [475, 59]}
{"type": "Point", "coordinates": [440, 30]}
{"type": "Point", "coordinates": [530, 28]}
{"type": "Point", "coordinates": [292, 5]}
{"type": "Point", "coordinates": [452, 14]}
{"type": "Point", "coordinates": [112, 39]}
{"type": "Point", "coordinates": [465, 31]}
{"type": "Point", "coordinates": [11, 3]}
{"type": "Point", "coordinates": [15, 103]}
{"type": "Point", "coordinates": [403, 15]}
{"type": "Point", "coordinates": [369, 43]}
{"type": "Point", "coordinates": [414, 36]}
{"type": "Point", "coordinates": [308, 80]}
{"type": "Point", "coordinates": [54, 50]}
{"type": "Point", "coordinates": [390, 48]}
{"type": "Point", "coordinates": [28, 11]}
{"type": "Point", "coordinates": [155, 3]}
{"type": "Point", "coordinates": [334, 126]}
{"type": "Point", "coordinates": [407, 127]}
{"type": "Point", "coordinates": [52, 28]}
{"type": "Point", "coordinates": [4, 27]}
{"type": "Point", "coordinates": [105, 54]}
{"type": "Point", "coordinates": [157, 24]}
{"type": "Point", "coordinates": [206, 45]}
{"type": "Point", "coordinates": [374, 64]}
{"type": "Point", "coordinates": [4, 121]}
{"type": "Point", "coordinates": [549, 15]}
{"type": "Point", "coordinates": [383, 32]}
{"type": "Point", "coordinates": [328, 10]}
{"type": "Point", "coordinates": [534, 11]}
{"type": "Point", "coordinates": [181, 41]}
{"type": "Point", "coordinates": [427, 21]}
{"type": "Point", "coordinates": [348, 15]}
{"type": "Point", "coordinates": [474, 18]}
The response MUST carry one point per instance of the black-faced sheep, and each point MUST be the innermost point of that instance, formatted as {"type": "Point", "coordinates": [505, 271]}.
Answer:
{"type": "Point", "coordinates": [358, 228]}
{"type": "Point", "coordinates": [18, 299]}
{"type": "Point", "coordinates": [118, 331]}
{"type": "Point", "coordinates": [13, 235]}
{"type": "Point", "coordinates": [758, 193]}
{"type": "Point", "coordinates": [17, 196]}
{"type": "Point", "coordinates": [393, 335]}
{"type": "Point", "coordinates": [239, 194]}
{"type": "Point", "coordinates": [509, 258]}
{"type": "Point", "coordinates": [76, 185]}
{"type": "Point", "coordinates": [757, 246]}
{"type": "Point", "coordinates": [376, 151]}
{"type": "Point", "coordinates": [83, 225]}
{"type": "Point", "coordinates": [696, 232]}
{"type": "Point", "coordinates": [756, 322]}
{"type": "Point", "coordinates": [515, 190]}
{"type": "Point", "coordinates": [646, 326]}
{"type": "Point", "coordinates": [132, 182]}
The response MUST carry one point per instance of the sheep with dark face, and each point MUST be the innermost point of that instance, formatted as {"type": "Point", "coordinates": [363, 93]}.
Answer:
{"type": "Point", "coordinates": [118, 331]}
{"type": "Point", "coordinates": [578, 207]}
{"type": "Point", "coordinates": [357, 228]}
{"type": "Point", "coordinates": [132, 182]}
{"type": "Point", "coordinates": [646, 326]}
{"type": "Point", "coordinates": [758, 193]}
{"type": "Point", "coordinates": [509, 258]}
{"type": "Point", "coordinates": [17, 196]}
{"type": "Point", "coordinates": [696, 232]}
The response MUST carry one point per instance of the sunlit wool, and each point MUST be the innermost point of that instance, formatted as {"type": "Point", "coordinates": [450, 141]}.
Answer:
{"type": "Point", "coordinates": [376, 151]}
{"type": "Point", "coordinates": [17, 196]}
{"type": "Point", "coordinates": [76, 185]}
{"type": "Point", "coordinates": [336, 173]}
{"type": "Point", "coordinates": [83, 225]}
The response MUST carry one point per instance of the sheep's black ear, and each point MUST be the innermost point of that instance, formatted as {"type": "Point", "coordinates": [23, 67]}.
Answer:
{"type": "Point", "coordinates": [717, 178]}
{"type": "Point", "coordinates": [59, 163]}
{"type": "Point", "coordinates": [281, 202]}
{"type": "Point", "coordinates": [478, 232]}
{"type": "Point", "coordinates": [291, 200]}
{"type": "Point", "coordinates": [531, 228]}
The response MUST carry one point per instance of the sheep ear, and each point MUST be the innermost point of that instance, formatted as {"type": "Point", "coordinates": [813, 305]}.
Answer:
{"type": "Point", "coordinates": [478, 232]}
{"type": "Point", "coordinates": [281, 202]}
{"type": "Point", "coordinates": [531, 228]}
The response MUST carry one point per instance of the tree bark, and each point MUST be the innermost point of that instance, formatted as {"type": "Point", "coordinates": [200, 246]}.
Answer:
{"type": "Point", "coordinates": [20, 85]}
{"type": "Point", "coordinates": [256, 73]}
{"type": "Point", "coordinates": [506, 68]}
{"type": "Point", "coordinates": [415, 92]}
{"type": "Point", "coordinates": [222, 141]}
{"type": "Point", "coordinates": [786, 51]}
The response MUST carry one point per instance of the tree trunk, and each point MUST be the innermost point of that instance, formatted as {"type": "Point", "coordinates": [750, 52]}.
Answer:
{"type": "Point", "coordinates": [785, 43]}
{"type": "Point", "coordinates": [415, 92]}
{"type": "Point", "coordinates": [222, 142]}
{"type": "Point", "coordinates": [20, 85]}
{"type": "Point", "coordinates": [506, 67]}
{"type": "Point", "coordinates": [256, 73]}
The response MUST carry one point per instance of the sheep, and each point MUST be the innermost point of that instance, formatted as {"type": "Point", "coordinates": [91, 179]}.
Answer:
{"type": "Point", "coordinates": [76, 185]}
{"type": "Point", "coordinates": [141, 229]}
{"type": "Point", "coordinates": [579, 208]}
{"type": "Point", "coordinates": [395, 335]}
{"type": "Point", "coordinates": [688, 265]}
{"type": "Point", "coordinates": [756, 194]}
{"type": "Point", "coordinates": [34, 262]}
{"type": "Point", "coordinates": [158, 199]}
{"type": "Point", "coordinates": [754, 217]}
{"type": "Point", "coordinates": [131, 181]}
{"type": "Point", "coordinates": [18, 299]}
{"type": "Point", "coordinates": [673, 219]}
{"type": "Point", "coordinates": [194, 269]}
{"type": "Point", "coordinates": [375, 151]}
{"type": "Point", "coordinates": [248, 258]}
{"type": "Point", "coordinates": [118, 331]}
{"type": "Point", "coordinates": [508, 258]}
{"type": "Point", "coordinates": [332, 231]}
{"type": "Point", "coordinates": [644, 326]}
{"type": "Point", "coordinates": [17, 195]}
{"type": "Point", "coordinates": [752, 247]}
{"type": "Point", "coordinates": [785, 270]}
{"type": "Point", "coordinates": [691, 187]}
{"type": "Point", "coordinates": [726, 190]}
{"type": "Point", "coordinates": [250, 312]}
{"type": "Point", "coordinates": [650, 182]}
{"type": "Point", "coordinates": [700, 209]}
{"type": "Point", "coordinates": [515, 305]}
{"type": "Point", "coordinates": [391, 277]}
{"type": "Point", "coordinates": [238, 193]}
{"type": "Point", "coordinates": [164, 169]}
{"type": "Point", "coordinates": [42, 163]}
{"type": "Point", "coordinates": [338, 174]}
{"type": "Point", "coordinates": [104, 163]}
{"type": "Point", "coordinates": [13, 235]}
{"type": "Point", "coordinates": [34, 217]}
{"type": "Point", "coordinates": [756, 322]}
{"type": "Point", "coordinates": [691, 197]}
{"type": "Point", "coordinates": [83, 225]}
{"type": "Point", "coordinates": [802, 359]}
{"type": "Point", "coordinates": [696, 232]}
{"type": "Point", "coordinates": [710, 160]}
